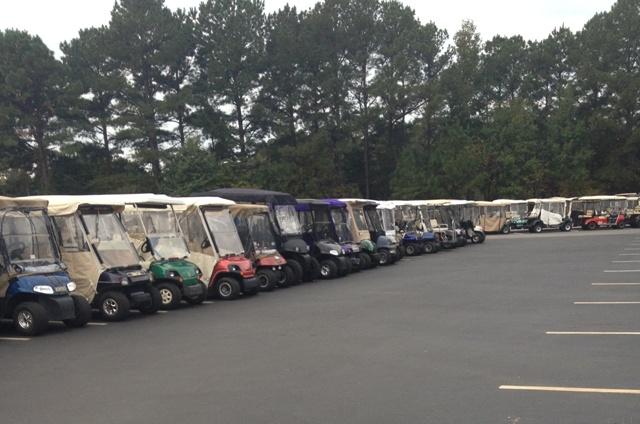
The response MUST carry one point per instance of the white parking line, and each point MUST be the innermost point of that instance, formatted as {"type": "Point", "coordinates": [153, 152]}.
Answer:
{"type": "Point", "coordinates": [97, 323]}
{"type": "Point", "coordinates": [207, 302]}
{"type": "Point", "coordinates": [617, 302]}
{"type": "Point", "coordinates": [621, 270]}
{"type": "Point", "coordinates": [625, 262]}
{"type": "Point", "coordinates": [615, 284]}
{"type": "Point", "coordinates": [15, 339]}
{"type": "Point", "coordinates": [632, 248]}
{"type": "Point", "coordinates": [629, 254]}
{"type": "Point", "coordinates": [572, 389]}
{"type": "Point", "coordinates": [163, 312]}
{"type": "Point", "coordinates": [593, 333]}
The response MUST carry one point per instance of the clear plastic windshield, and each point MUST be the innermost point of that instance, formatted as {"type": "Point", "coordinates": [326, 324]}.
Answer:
{"type": "Point", "coordinates": [361, 221]}
{"type": "Point", "coordinates": [261, 232]}
{"type": "Point", "coordinates": [224, 232]}
{"type": "Point", "coordinates": [164, 233]}
{"type": "Point", "coordinates": [26, 236]}
{"type": "Point", "coordinates": [288, 220]}
{"type": "Point", "coordinates": [387, 219]}
{"type": "Point", "coordinates": [374, 218]}
{"type": "Point", "coordinates": [340, 222]}
{"type": "Point", "coordinates": [108, 237]}
{"type": "Point", "coordinates": [518, 210]}
{"type": "Point", "coordinates": [322, 225]}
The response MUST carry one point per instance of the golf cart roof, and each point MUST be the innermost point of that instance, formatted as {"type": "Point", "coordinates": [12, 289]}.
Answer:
{"type": "Point", "coordinates": [251, 195]}
{"type": "Point", "coordinates": [387, 205]}
{"type": "Point", "coordinates": [307, 204]}
{"type": "Point", "coordinates": [457, 202]}
{"type": "Point", "coordinates": [360, 202]}
{"type": "Point", "coordinates": [22, 202]}
{"type": "Point", "coordinates": [487, 203]}
{"type": "Point", "coordinates": [66, 205]}
{"type": "Point", "coordinates": [141, 198]}
{"type": "Point", "coordinates": [246, 209]}
{"type": "Point", "coordinates": [550, 199]}
{"type": "Point", "coordinates": [507, 202]}
{"type": "Point", "coordinates": [188, 202]}
{"type": "Point", "coordinates": [602, 198]}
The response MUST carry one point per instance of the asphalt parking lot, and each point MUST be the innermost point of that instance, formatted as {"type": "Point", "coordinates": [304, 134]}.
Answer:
{"type": "Point", "coordinates": [523, 329]}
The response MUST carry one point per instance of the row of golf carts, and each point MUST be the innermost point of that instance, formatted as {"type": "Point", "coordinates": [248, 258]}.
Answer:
{"type": "Point", "coordinates": [64, 257]}
{"type": "Point", "coordinates": [563, 213]}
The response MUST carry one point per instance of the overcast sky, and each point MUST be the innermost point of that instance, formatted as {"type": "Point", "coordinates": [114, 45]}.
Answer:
{"type": "Point", "coordinates": [59, 20]}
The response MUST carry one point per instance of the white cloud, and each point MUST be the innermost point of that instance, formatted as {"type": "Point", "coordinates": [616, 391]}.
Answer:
{"type": "Point", "coordinates": [59, 20]}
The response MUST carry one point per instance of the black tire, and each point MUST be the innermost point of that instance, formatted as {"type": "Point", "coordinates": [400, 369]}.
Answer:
{"type": "Point", "coordinates": [314, 270]}
{"type": "Point", "coordinates": [348, 266]}
{"type": "Point", "coordinates": [592, 225]}
{"type": "Point", "coordinates": [83, 313]}
{"type": "Point", "coordinates": [328, 269]}
{"type": "Point", "coordinates": [227, 288]}
{"type": "Point", "coordinates": [298, 270]}
{"type": "Point", "coordinates": [429, 247]}
{"type": "Point", "coordinates": [114, 306]}
{"type": "Point", "coordinates": [170, 294]}
{"type": "Point", "coordinates": [506, 229]}
{"type": "Point", "coordinates": [566, 226]}
{"type": "Point", "coordinates": [411, 250]}
{"type": "Point", "coordinates": [537, 228]}
{"type": "Point", "coordinates": [268, 279]}
{"type": "Point", "coordinates": [155, 304]}
{"type": "Point", "coordinates": [289, 276]}
{"type": "Point", "coordinates": [365, 260]}
{"type": "Point", "coordinates": [621, 225]}
{"type": "Point", "coordinates": [384, 257]}
{"type": "Point", "coordinates": [30, 318]}
{"type": "Point", "coordinates": [198, 299]}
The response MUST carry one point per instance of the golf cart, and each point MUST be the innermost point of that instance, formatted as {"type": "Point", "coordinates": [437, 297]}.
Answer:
{"type": "Point", "coordinates": [259, 240]}
{"type": "Point", "coordinates": [101, 259]}
{"type": "Point", "coordinates": [516, 213]}
{"type": "Point", "coordinates": [340, 220]}
{"type": "Point", "coordinates": [554, 212]}
{"type": "Point", "coordinates": [286, 224]}
{"type": "Point", "coordinates": [601, 212]}
{"type": "Point", "coordinates": [441, 220]}
{"type": "Point", "coordinates": [320, 235]}
{"type": "Point", "coordinates": [416, 237]}
{"type": "Point", "coordinates": [34, 285]}
{"type": "Point", "coordinates": [632, 209]}
{"type": "Point", "coordinates": [216, 247]}
{"type": "Point", "coordinates": [466, 217]}
{"type": "Point", "coordinates": [153, 228]}
{"type": "Point", "coordinates": [387, 214]}
{"type": "Point", "coordinates": [493, 216]}
{"type": "Point", "coordinates": [430, 219]}
{"type": "Point", "coordinates": [366, 222]}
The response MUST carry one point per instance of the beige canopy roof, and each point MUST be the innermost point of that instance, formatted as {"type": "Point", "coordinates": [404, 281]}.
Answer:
{"type": "Point", "coordinates": [246, 209]}
{"type": "Point", "coordinates": [507, 202]}
{"type": "Point", "coordinates": [140, 198]}
{"type": "Point", "coordinates": [17, 202]}
{"type": "Point", "coordinates": [67, 205]}
{"type": "Point", "coordinates": [196, 202]}
{"type": "Point", "coordinates": [550, 199]}
{"type": "Point", "coordinates": [485, 203]}
{"type": "Point", "coordinates": [360, 201]}
{"type": "Point", "coordinates": [602, 198]}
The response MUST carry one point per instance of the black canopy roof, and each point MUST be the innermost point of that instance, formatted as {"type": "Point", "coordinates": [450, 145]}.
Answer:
{"type": "Point", "coordinates": [251, 195]}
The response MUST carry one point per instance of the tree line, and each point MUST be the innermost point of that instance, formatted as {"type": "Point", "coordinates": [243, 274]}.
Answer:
{"type": "Point", "coordinates": [348, 98]}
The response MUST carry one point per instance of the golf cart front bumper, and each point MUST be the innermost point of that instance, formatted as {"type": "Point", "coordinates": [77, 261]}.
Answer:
{"type": "Point", "coordinates": [193, 290]}
{"type": "Point", "coordinates": [58, 307]}
{"type": "Point", "coordinates": [250, 284]}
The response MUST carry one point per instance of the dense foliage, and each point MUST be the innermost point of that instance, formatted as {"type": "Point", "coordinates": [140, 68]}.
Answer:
{"type": "Point", "coordinates": [351, 97]}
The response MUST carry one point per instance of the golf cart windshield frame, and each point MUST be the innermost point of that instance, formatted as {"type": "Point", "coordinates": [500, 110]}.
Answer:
{"type": "Point", "coordinates": [225, 238]}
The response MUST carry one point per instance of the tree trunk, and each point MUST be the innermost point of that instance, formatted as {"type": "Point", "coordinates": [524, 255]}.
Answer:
{"type": "Point", "coordinates": [43, 158]}
{"type": "Point", "coordinates": [155, 160]}
{"type": "Point", "coordinates": [241, 130]}
{"type": "Point", "coordinates": [105, 140]}
{"type": "Point", "coordinates": [181, 129]}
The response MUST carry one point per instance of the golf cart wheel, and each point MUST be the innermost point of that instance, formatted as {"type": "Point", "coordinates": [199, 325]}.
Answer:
{"type": "Point", "coordinates": [114, 306]}
{"type": "Point", "coordinates": [365, 260]}
{"type": "Point", "coordinates": [30, 319]}
{"type": "Point", "coordinates": [289, 276]}
{"type": "Point", "coordinates": [592, 225]}
{"type": "Point", "coordinates": [83, 313]}
{"type": "Point", "coordinates": [621, 225]}
{"type": "Point", "coordinates": [155, 304]}
{"type": "Point", "coordinates": [198, 299]}
{"type": "Point", "coordinates": [385, 257]}
{"type": "Point", "coordinates": [475, 238]}
{"type": "Point", "coordinates": [429, 247]}
{"type": "Point", "coordinates": [505, 229]}
{"type": "Point", "coordinates": [314, 271]}
{"type": "Point", "coordinates": [566, 226]}
{"type": "Point", "coordinates": [411, 250]}
{"type": "Point", "coordinates": [268, 279]}
{"type": "Point", "coordinates": [328, 269]}
{"type": "Point", "coordinates": [348, 267]}
{"type": "Point", "coordinates": [227, 288]}
{"type": "Point", "coordinates": [298, 271]}
{"type": "Point", "coordinates": [170, 295]}
{"type": "Point", "coordinates": [537, 228]}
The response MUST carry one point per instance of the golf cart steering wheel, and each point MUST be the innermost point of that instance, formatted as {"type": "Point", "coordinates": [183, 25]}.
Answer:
{"type": "Point", "coordinates": [17, 250]}
{"type": "Point", "coordinates": [146, 247]}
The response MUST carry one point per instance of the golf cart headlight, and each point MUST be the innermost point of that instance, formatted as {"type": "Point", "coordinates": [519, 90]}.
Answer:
{"type": "Point", "coordinates": [124, 281]}
{"type": "Point", "coordinates": [334, 252]}
{"type": "Point", "coordinates": [233, 268]}
{"type": "Point", "coordinates": [43, 289]}
{"type": "Point", "coordinates": [199, 271]}
{"type": "Point", "coordinates": [71, 286]}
